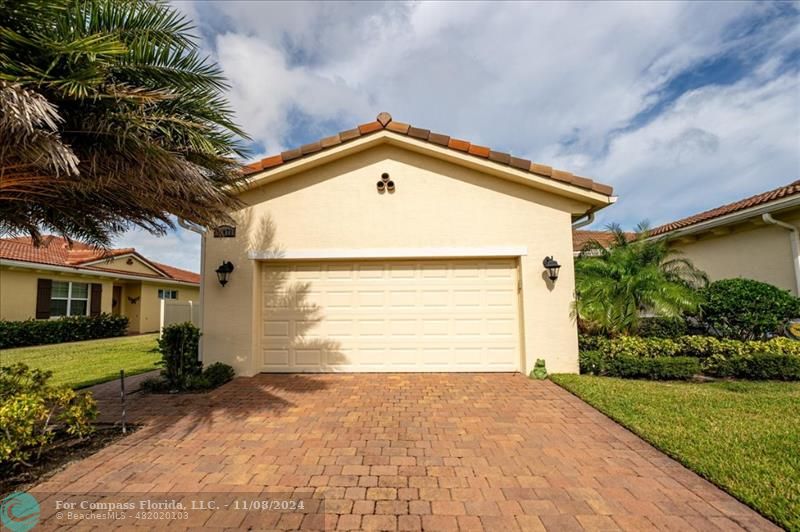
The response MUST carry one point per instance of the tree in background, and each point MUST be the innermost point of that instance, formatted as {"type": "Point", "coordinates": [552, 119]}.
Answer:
{"type": "Point", "coordinates": [109, 118]}
{"type": "Point", "coordinates": [632, 278]}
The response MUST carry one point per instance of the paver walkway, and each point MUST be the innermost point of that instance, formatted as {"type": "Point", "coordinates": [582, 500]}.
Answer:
{"type": "Point", "coordinates": [390, 451]}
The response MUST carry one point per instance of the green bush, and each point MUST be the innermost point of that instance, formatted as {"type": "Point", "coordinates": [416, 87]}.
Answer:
{"type": "Point", "coordinates": [591, 362]}
{"type": "Point", "coordinates": [745, 309]}
{"type": "Point", "coordinates": [218, 374]}
{"type": "Point", "coordinates": [66, 329]}
{"type": "Point", "coordinates": [658, 368]}
{"type": "Point", "coordinates": [767, 366]}
{"type": "Point", "coordinates": [693, 346]}
{"type": "Point", "coordinates": [663, 327]}
{"type": "Point", "coordinates": [32, 412]}
{"type": "Point", "coordinates": [179, 348]}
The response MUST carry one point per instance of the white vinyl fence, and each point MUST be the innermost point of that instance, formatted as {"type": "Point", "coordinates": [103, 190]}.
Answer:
{"type": "Point", "coordinates": [179, 312]}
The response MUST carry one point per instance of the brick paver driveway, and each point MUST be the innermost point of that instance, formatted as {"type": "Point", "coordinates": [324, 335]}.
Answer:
{"type": "Point", "coordinates": [372, 451]}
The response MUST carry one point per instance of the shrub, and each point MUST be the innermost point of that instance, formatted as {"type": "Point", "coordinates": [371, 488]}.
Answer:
{"type": "Point", "coordinates": [766, 366]}
{"type": "Point", "coordinates": [745, 309]}
{"type": "Point", "coordinates": [663, 327]}
{"type": "Point", "coordinates": [218, 374]}
{"type": "Point", "coordinates": [66, 329]}
{"type": "Point", "coordinates": [179, 348]}
{"type": "Point", "coordinates": [658, 368]}
{"type": "Point", "coordinates": [33, 411]}
{"type": "Point", "coordinates": [693, 346]}
{"type": "Point", "coordinates": [591, 362]}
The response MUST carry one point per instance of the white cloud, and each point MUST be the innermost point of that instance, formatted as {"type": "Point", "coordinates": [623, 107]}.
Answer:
{"type": "Point", "coordinates": [556, 82]}
{"type": "Point", "coordinates": [179, 248]}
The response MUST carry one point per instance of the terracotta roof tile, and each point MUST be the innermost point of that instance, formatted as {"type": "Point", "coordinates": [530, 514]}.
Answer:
{"type": "Point", "coordinates": [480, 151]}
{"type": "Point", "coordinates": [499, 157]}
{"type": "Point", "coordinates": [369, 127]}
{"type": "Point", "coordinates": [753, 201]}
{"type": "Point", "coordinates": [269, 162]}
{"type": "Point", "coordinates": [419, 133]}
{"type": "Point", "coordinates": [288, 155]}
{"type": "Point", "coordinates": [561, 175]}
{"type": "Point", "coordinates": [436, 138]}
{"type": "Point", "coordinates": [311, 148]}
{"type": "Point", "coordinates": [580, 238]}
{"type": "Point", "coordinates": [398, 127]}
{"type": "Point", "coordinates": [333, 140]}
{"type": "Point", "coordinates": [460, 145]}
{"type": "Point", "coordinates": [350, 134]}
{"type": "Point", "coordinates": [56, 251]}
{"type": "Point", "coordinates": [542, 169]}
{"type": "Point", "coordinates": [522, 164]}
{"type": "Point", "coordinates": [385, 121]}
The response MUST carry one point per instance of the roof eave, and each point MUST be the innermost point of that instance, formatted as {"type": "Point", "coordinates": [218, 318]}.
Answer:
{"type": "Point", "coordinates": [732, 218]}
{"type": "Point", "coordinates": [80, 270]}
{"type": "Point", "coordinates": [263, 177]}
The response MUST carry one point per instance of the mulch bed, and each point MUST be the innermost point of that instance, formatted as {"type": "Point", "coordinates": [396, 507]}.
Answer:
{"type": "Point", "coordinates": [57, 456]}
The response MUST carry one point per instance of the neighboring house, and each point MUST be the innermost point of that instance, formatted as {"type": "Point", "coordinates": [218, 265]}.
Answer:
{"type": "Point", "coordinates": [59, 279]}
{"type": "Point", "coordinates": [391, 248]}
{"type": "Point", "coordinates": [582, 237]}
{"type": "Point", "coordinates": [754, 238]}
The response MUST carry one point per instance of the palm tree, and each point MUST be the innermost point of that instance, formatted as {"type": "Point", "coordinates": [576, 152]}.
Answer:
{"type": "Point", "coordinates": [633, 277]}
{"type": "Point", "coordinates": [110, 118]}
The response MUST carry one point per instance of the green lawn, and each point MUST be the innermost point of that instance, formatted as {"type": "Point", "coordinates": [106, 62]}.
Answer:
{"type": "Point", "coordinates": [743, 436]}
{"type": "Point", "coordinates": [81, 364]}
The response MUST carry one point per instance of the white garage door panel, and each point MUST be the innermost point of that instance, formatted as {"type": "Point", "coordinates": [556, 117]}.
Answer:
{"type": "Point", "coordinates": [448, 315]}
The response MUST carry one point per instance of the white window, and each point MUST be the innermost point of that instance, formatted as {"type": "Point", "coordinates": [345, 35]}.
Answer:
{"type": "Point", "coordinates": [69, 299]}
{"type": "Point", "coordinates": [167, 294]}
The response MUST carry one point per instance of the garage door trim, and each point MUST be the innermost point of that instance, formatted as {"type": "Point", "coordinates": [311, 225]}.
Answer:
{"type": "Point", "coordinates": [515, 363]}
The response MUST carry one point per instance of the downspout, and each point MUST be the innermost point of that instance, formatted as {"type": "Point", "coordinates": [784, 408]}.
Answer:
{"type": "Point", "coordinates": [589, 219]}
{"type": "Point", "coordinates": [794, 238]}
{"type": "Point", "coordinates": [202, 232]}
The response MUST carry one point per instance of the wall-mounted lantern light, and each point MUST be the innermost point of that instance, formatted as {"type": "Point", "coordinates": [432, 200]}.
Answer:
{"type": "Point", "coordinates": [552, 266]}
{"type": "Point", "coordinates": [224, 272]}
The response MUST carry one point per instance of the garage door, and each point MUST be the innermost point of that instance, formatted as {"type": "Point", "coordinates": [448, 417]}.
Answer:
{"type": "Point", "coordinates": [444, 315]}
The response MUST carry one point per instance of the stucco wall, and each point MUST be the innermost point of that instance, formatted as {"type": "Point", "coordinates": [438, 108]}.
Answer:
{"type": "Point", "coordinates": [121, 264]}
{"type": "Point", "coordinates": [18, 291]}
{"type": "Point", "coordinates": [437, 204]}
{"type": "Point", "coordinates": [761, 252]}
{"type": "Point", "coordinates": [150, 304]}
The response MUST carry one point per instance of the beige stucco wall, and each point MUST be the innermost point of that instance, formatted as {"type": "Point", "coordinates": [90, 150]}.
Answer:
{"type": "Point", "coordinates": [760, 252]}
{"type": "Point", "coordinates": [18, 291]}
{"type": "Point", "coordinates": [150, 304]}
{"type": "Point", "coordinates": [121, 264]}
{"type": "Point", "coordinates": [437, 204]}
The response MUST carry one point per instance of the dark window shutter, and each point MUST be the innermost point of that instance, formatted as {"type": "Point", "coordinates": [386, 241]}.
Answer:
{"type": "Point", "coordinates": [44, 288]}
{"type": "Point", "coordinates": [94, 304]}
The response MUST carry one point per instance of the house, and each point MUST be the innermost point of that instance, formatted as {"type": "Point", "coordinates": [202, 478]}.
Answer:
{"type": "Point", "coordinates": [63, 279]}
{"type": "Point", "coordinates": [754, 238]}
{"type": "Point", "coordinates": [581, 237]}
{"type": "Point", "coordinates": [391, 248]}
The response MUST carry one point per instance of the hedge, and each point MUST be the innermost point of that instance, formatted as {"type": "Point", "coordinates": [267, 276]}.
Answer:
{"type": "Point", "coordinates": [691, 346]}
{"type": "Point", "coordinates": [631, 367]}
{"type": "Point", "coordinates": [630, 356]}
{"type": "Point", "coordinates": [66, 329]}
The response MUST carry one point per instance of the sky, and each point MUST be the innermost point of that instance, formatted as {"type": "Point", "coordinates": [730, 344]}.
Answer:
{"type": "Point", "coordinates": [681, 107]}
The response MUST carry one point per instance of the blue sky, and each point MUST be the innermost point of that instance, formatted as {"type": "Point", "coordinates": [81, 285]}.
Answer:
{"type": "Point", "coordinates": [680, 106]}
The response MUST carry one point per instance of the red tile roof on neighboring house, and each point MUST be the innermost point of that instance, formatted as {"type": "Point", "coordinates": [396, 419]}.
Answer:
{"type": "Point", "coordinates": [753, 201]}
{"type": "Point", "coordinates": [384, 121]}
{"type": "Point", "coordinates": [57, 251]}
{"type": "Point", "coordinates": [580, 238]}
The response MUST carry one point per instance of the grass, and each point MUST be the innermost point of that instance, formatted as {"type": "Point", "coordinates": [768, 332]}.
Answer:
{"type": "Point", "coordinates": [81, 364]}
{"type": "Point", "coordinates": [743, 436]}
